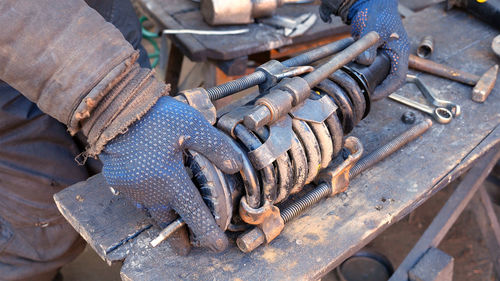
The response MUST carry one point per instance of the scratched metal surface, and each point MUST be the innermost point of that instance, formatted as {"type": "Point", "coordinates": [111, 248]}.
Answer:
{"type": "Point", "coordinates": [328, 233]}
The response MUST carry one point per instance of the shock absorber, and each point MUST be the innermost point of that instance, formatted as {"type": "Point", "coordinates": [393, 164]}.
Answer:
{"type": "Point", "coordinates": [302, 132]}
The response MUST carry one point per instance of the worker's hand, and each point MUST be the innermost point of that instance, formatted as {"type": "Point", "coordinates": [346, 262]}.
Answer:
{"type": "Point", "coordinates": [146, 165]}
{"type": "Point", "coordinates": [381, 16]}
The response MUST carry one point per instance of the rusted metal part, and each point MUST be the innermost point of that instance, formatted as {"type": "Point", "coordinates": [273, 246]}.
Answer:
{"type": "Point", "coordinates": [299, 162]}
{"type": "Point", "coordinates": [252, 142]}
{"type": "Point", "coordinates": [311, 146]}
{"type": "Point", "coordinates": [442, 70]}
{"type": "Point", "coordinates": [259, 77]}
{"type": "Point", "coordinates": [387, 149]}
{"type": "Point", "coordinates": [275, 71]}
{"type": "Point", "coordinates": [221, 12]}
{"type": "Point", "coordinates": [268, 222]}
{"type": "Point", "coordinates": [283, 166]}
{"type": "Point", "coordinates": [276, 104]}
{"type": "Point", "coordinates": [314, 111]}
{"type": "Point", "coordinates": [324, 139]}
{"type": "Point", "coordinates": [342, 58]}
{"type": "Point", "coordinates": [224, 12]}
{"type": "Point", "coordinates": [255, 237]}
{"type": "Point", "coordinates": [250, 180]}
{"type": "Point", "coordinates": [425, 47]}
{"type": "Point", "coordinates": [353, 91]}
{"type": "Point", "coordinates": [336, 132]}
{"type": "Point", "coordinates": [199, 99]}
{"type": "Point", "coordinates": [338, 178]}
{"type": "Point", "coordinates": [345, 111]}
{"type": "Point", "coordinates": [278, 142]}
{"type": "Point", "coordinates": [485, 85]}
{"type": "Point", "coordinates": [228, 121]}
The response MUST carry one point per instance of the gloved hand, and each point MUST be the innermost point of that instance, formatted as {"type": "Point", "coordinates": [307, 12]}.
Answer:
{"type": "Point", "coordinates": [381, 16]}
{"type": "Point", "coordinates": [146, 165]}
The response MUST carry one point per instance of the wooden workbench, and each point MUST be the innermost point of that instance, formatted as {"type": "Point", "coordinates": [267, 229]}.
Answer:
{"type": "Point", "coordinates": [325, 235]}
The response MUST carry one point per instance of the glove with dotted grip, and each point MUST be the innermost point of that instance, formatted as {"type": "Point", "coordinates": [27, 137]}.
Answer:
{"type": "Point", "coordinates": [146, 165]}
{"type": "Point", "coordinates": [381, 16]}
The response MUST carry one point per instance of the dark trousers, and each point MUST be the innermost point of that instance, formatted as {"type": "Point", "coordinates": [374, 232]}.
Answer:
{"type": "Point", "coordinates": [36, 161]}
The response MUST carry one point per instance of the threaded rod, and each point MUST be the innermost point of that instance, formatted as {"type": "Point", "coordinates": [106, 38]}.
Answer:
{"type": "Point", "coordinates": [258, 77]}
{"type": "Point", "coordinates": [311, 198]}
{"type": "Point", "coordinates": [389, 148]}
{"type": "Point", "coordinates": [240, 84]}
{"type": "Point", "coordinates": [323, 190]}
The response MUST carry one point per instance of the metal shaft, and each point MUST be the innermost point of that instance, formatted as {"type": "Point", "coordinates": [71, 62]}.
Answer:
{"type": "Point", "coordinates": [443, 70]}
{"type": "Point", "coordinates": [342, 58]}
{"type": "Point", "coordinates": [167, 231]}
{"type": "Point", "coordinates": [273, 108]}
{"type": "Point", "coordinates": [389, 148]}
{"type": "Point", "coordinates": [259, 77]}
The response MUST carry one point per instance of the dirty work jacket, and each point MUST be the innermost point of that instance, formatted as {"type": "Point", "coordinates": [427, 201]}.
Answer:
{"type": "Point", "coordinates": [63, 56]}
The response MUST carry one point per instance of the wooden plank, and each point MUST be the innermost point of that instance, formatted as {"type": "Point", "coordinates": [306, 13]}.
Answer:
{"type": "Point", "coordinates": [106, 221]}
{"type": "Point", "coordinates": [447, 216]}
{"type": "Point", "coordinates": [328, 233]}
{"type": "Point", "coordinates": [260, 38]}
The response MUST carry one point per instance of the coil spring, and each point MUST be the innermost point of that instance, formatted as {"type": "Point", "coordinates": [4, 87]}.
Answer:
{"type": "Point", "coordinates": [314, 145]}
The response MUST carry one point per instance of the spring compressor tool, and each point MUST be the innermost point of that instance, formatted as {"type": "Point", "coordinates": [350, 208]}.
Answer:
{"type": "Point", "coordinates": [297, 128]}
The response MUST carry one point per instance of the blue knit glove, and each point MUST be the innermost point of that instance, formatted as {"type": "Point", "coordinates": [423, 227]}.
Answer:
{"type": "Point", "coordinates": [381, 16]}
{"type": "Point", "coordinates": [146, 165]}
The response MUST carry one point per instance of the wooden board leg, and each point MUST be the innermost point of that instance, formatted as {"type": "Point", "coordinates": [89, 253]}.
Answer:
{"type": "Point", "coordinates": [488, 225]}
{"type": "Point", "coordinates": [449, 213]}
{"type": "Point", "coordinates": [435, 265]}
{"type": "Point", "coordinates": [174, 66]}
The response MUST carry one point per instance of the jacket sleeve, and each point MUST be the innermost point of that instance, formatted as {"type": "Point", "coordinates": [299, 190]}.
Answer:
{"type": "Point", "coordinates": [63, 56]}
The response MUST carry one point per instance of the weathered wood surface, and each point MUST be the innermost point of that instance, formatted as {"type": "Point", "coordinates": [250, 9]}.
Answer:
{"type": "Point", "coordinates": [450, 212]}
{"type": "Point", "coordinates": [328, 233]}
{"type": "Point", "coordinates": [178, 14]}
{"type": "Point", "coordinates": [435, 265]}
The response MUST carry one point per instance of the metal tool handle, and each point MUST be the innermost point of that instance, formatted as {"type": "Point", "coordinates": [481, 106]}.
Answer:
{"type": "Point", "coordinates": [440, 114]}
{"type": "Point", "coordinates": [429, 95]}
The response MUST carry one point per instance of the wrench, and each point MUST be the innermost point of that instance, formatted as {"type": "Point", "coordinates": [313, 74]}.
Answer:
{"type": "Point", "coordinates": [452, 107]}
{"type": "Point", "coordinates": [441, 114]}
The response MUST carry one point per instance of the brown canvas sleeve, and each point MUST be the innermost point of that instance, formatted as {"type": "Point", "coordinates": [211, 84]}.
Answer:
{"type": "Point", "coordinates": [63, 56]}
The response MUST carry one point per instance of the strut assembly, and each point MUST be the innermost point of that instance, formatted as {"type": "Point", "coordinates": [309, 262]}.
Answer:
{"type": "Point", "coordinates": [287, 137]}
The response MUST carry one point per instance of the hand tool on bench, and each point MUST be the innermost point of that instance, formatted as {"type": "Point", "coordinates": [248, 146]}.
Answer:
{"type": "Point", "coordinates": [440, 114]}
{"type": "Point", "coordinates": [291, 27]}
{"type": "Point", "coordinates": [454, 108]}
{"type": "Point", "coordinates": [219, 12]}
{"type": "Point", "coordinates": [483, 85]}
